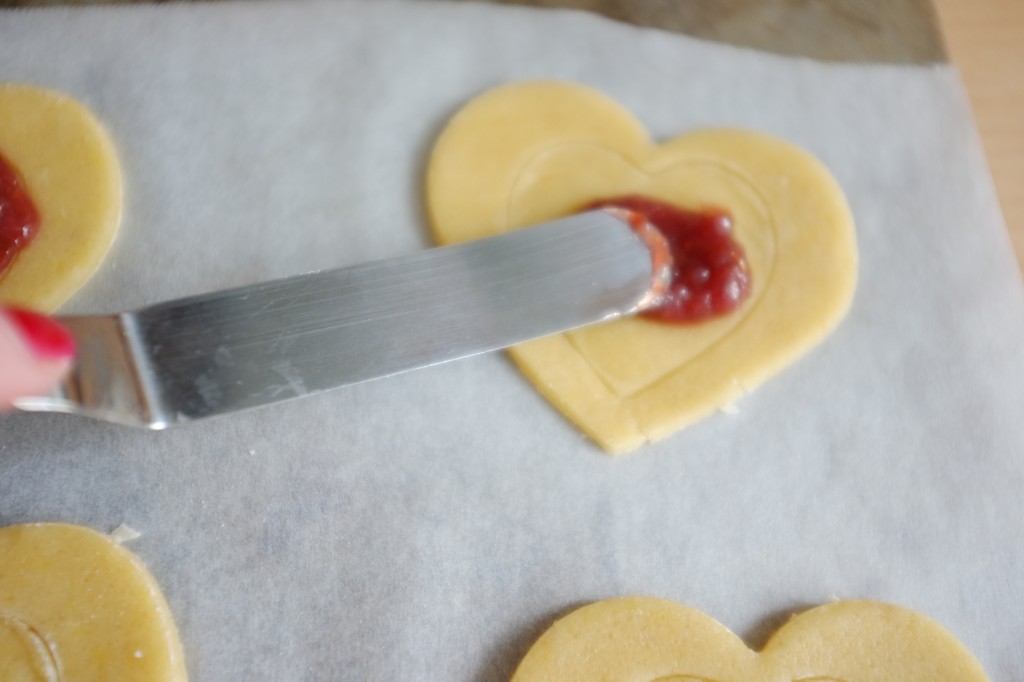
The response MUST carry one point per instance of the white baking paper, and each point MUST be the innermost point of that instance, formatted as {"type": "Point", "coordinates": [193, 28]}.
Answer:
{"type": "Point", "coordinates": [430, 526]}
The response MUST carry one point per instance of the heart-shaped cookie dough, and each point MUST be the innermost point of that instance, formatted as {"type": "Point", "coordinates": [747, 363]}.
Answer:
{"type": "Point", "coordinates": [69, 167]}
{"type": "Point", "coordinates": [529, 152]}
{"type": "Point", "coordinates": [651, 640]}
{"type": "Point", "coordinates": [74, 605]}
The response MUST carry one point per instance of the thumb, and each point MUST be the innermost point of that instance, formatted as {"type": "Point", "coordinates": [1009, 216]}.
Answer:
{"type": "Point", "coordinates": [35, 352]}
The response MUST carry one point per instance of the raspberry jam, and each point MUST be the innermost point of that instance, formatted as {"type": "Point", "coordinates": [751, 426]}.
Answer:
{"type": "Point", "coordinates": [710, 275]}
{"type": "Point", "coordinates": [19, 217]}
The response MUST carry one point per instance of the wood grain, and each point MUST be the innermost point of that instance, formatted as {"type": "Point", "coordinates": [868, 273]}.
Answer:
{"type": "Point", "coordinates": [893, 31]}
{"type": "Point", "coordinates": [986, 42]}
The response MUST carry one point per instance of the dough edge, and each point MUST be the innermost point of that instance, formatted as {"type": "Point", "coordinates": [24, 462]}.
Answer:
{"type": "Point", "coordinates": [27, 544]}
{"type": "Point", "coordinates": [80, 222]}
{"type": "Point", "coordinates": [647, 639]}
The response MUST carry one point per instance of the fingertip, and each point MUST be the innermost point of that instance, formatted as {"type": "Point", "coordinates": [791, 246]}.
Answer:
{"type": "Point", "coordinates": [45, 337]}
{"type": "Point", "coordinates": [35, 353]}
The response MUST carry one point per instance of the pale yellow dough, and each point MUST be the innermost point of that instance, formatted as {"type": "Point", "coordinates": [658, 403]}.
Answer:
{"type": "Point", "coordinates": [528, 152]}
{"type": "Point", "coordinates": [641, 639]}
{"type": "Point", "coordinates": [74, 605]}
{"type": "Point", "coordinates": [70, 168]}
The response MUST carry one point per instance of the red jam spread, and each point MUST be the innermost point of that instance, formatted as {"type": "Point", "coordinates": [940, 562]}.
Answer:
{"type": "Point", "coordinates": [19, 218]}
{"type": "Point", "coordinates": [710, 275]}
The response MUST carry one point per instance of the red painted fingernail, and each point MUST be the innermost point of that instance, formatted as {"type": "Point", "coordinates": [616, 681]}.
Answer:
{"type": "Point", "coordinates": [45, 337]}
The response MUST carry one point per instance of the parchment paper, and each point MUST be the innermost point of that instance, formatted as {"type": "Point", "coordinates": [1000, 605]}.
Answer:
{"type": "Point", "coordinates": [430, 526]}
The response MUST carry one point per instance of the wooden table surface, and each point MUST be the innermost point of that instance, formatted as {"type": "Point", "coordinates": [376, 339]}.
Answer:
{"type": "Point", "coordinates": [985, 39]}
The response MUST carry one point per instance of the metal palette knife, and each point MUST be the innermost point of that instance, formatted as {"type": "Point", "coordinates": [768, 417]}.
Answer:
{"type": "Point", "coordinates": [222, 352]}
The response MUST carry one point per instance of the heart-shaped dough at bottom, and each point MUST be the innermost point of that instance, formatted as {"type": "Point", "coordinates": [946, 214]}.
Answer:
{"type": "Point", "coordinates": [528, 152]}
{"type": "Point", "coordinates": [75, 605]}
{"type": "Point", "coordinates": [70, 170]}
{"type": "Point", "coordinates": [643, 639]}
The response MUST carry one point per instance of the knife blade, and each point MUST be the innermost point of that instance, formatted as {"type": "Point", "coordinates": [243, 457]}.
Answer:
{"type": "Point", "coordinates": [222, 352]}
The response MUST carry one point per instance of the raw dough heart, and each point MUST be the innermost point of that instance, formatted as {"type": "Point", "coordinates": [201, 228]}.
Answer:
{"type": "Point", "coordinates": [70, 168]}
{"type": "Point", "coordinates": [529, 152]}
{"type": "Point", "coordinates": [642, 639]}
{"type": "Point", "coordinates": [74, 605]}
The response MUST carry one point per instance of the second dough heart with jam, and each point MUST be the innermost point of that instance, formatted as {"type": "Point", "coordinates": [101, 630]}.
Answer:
{"type": "Point", "coordinates": [529, 152]}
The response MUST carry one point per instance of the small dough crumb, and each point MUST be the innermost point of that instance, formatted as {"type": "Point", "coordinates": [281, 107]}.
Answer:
{"type": "Point", "coordinates": [124, 533]}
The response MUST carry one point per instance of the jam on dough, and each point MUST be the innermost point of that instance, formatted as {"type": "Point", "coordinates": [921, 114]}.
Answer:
{"type": "Point", "coordinates": [652, 640]}
{"type": "Point", "coordinates": [70, 169]}
{"type": "Point", "coordinates": [74, 605]}
{"type": "Point", "coordinates": [19, 218]}
{"type": "Point", "coordinates": [528, 152]}
{"type": "Point", "coordinates": [709, 273]}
